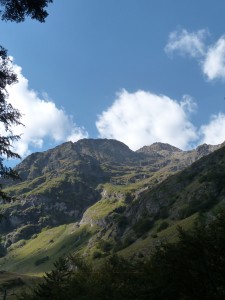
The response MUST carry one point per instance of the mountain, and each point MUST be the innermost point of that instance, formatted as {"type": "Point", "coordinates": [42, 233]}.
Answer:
{"type": "Point", "coordinates": [96, 197]}
{"type": "Point", "coordinates": [160, 148]}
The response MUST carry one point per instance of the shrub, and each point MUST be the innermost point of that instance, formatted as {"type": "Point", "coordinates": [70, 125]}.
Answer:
{"type": "Point", "coordinates": [41, 260]}
{"type": "Point", "coordinates": [143, 225]}
{"type": "Point", "coordinates": [128, 241]}
{"type": "Point", "coordinates": [96, 254]}
{"type": "Point", "coordinates": [104, 245]}
{"type": "Point", "coordinates": [162, 226]}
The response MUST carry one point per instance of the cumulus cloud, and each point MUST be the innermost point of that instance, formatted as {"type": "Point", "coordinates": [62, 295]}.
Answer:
{"type": "Point", "coordinates": [213, 132]}
{"type": "Point", "coordinates": [187, 43]}
{"type": "Point", "coordinates": [214, 61]}
{"type": "Point", "coordinates": [43, 121]}
{"type": "Point", "coordinates": [211, 58]}
{"type": "Point", "coordinates": [142, 118]}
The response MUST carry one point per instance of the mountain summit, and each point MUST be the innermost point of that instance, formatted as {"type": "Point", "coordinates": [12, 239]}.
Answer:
{"type": "Point", "coordinates": [160, 148]}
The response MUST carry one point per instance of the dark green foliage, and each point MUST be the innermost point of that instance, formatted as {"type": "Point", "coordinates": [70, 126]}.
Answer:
{"type": "Point", "coordinates": [13, 10]}
{"type": "Point", "coordinates": [11, 283]}
{"type": "Point", "coordinates": [192, 268]}
{"type": "Point", "coordinates": [56, 282]}
{"type": "Point", "coordinates": [163, 226]}
{"type": "Point", "coordinates": [73, 279]}
{"type": "Point", "coordinates": [96, 254]}
{"type": "Point", "coordinates": [41, 260]}
{"type": "Point", "coordinates": [143, 226]}
{"type": "Point", "coordinates": [18, 10]}
{"type": "Point", "coordinates": [9, 117]}
{"type": "Point", "coordinates": [205, 203]}
{"type": "Point", "coordinates": [104, 245]}
{"type": "Point", "coordinates": [216, 175]}
{"type": "Point", "coordinates": [128, 241]}
{"type": "Point", "coordinates": [154, 235]}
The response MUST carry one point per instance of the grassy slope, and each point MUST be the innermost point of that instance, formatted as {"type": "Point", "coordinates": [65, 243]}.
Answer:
{"type": "Point", "coordinates": [65, 239]}
{"type": "Point", "coordinates": [147, 243]}
{"type": "Point", "coordinates": [51, 243]}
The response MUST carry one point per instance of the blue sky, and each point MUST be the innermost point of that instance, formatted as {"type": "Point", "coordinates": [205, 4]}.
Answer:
{"type": "Point", "coordinates": [140, 71]}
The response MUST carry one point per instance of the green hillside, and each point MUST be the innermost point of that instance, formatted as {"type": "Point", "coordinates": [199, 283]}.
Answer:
{"type": "Point", "coordinates": [96, 198]}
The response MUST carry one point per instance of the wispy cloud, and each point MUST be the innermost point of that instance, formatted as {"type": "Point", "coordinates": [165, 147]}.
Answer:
{"type": "Point", "coordinates": [187, 43]}
{"type": "Point", "coordinates": [211, 57]}
{"type": "Point", "coordinates": [44, 121]}
{"type": "Point", "coordinates": [142, 118]}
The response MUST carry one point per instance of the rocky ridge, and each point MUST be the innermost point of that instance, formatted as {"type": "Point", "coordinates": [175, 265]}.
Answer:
{"type": "Point", "coordinates": [92, 182]}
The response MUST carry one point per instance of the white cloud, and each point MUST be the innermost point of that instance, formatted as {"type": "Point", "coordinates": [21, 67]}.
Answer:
{"type": "Point", "coordinates": [211, 58]}
{"type": "Point", "coordinates": [214, 132]}
{"type": "Point", "coordinates": [214, 62]}
{"type": "Point", "coordinates": [187, 43]}
{"type": "Point", "coordinates": [42, 119]}
{"type": "Point", "coordinates": [142, 118]}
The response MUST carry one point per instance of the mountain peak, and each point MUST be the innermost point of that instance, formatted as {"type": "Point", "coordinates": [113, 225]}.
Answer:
{"type": "Point", "coordinates": [159, 147]}
{"type": "Point", "coordinates": [100, 143]}
{"type": "Point", "coordinates": [205, 149]}
{"type": "Point", "coordinates": [104, 149]}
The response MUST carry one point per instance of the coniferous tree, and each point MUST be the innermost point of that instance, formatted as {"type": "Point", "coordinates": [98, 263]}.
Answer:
{"type": "Point", "coordinates": [17, 10]}
{"type": "Point", "coordinates": [9, 117]}
{"type": "Point", "coordinates": [192, 268]}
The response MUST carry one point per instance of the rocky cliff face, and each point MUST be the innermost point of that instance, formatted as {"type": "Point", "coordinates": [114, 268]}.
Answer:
{"type": "Point", "coordinates": [104, 150]}
{"type": "Point", "coordinates": [198, 189]}
{"type": "Point", "coordinates": [99, 197]}
{"type": "Point", "coordinates": [86, 158]}
{"type": "Point", "coordinates": [59, 185]}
